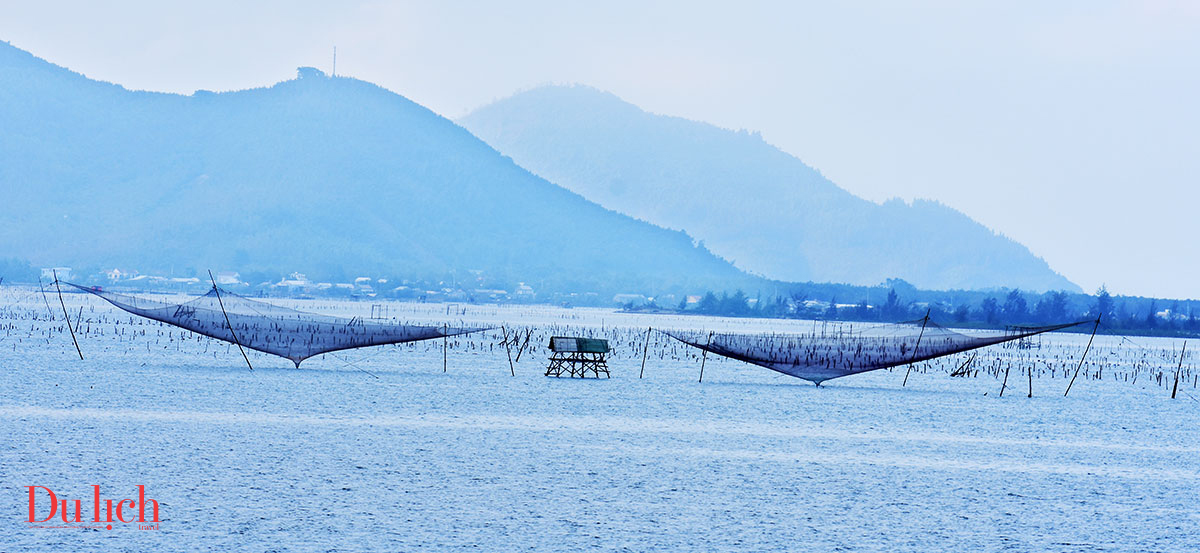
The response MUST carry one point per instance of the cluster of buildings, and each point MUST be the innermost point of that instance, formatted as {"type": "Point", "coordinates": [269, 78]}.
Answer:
{"type": "Point", "coordinates": [297, 285]}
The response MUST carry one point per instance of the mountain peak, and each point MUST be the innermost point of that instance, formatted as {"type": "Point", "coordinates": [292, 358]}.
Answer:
{"type": "Point", "coordinates": [332, 176]}
{"type": "Point", "coordinates": [748, 200]}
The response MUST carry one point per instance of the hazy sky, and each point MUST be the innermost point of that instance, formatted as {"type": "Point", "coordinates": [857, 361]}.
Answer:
{"type": "Point", "coordinates": [1072, 127]}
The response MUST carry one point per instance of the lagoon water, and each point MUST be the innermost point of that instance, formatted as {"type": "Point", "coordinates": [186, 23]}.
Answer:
{"type": "Point", "coordinates": [379, 449]}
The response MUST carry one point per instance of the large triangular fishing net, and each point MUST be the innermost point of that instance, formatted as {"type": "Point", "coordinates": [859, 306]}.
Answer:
{"type": "Point", "coordinates": [268, 328]}
{"type": "Point", "coordinates": [849, 349]}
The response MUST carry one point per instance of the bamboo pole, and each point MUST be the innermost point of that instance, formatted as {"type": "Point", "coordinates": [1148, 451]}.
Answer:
{"type": "Point", "coordinates": [445, 331]}
{"type": "Point", "coordinates": [42, 289]}
{"type": "Point", "coordinates": [233, 333]}
{"type": "Point", "coordinates": [1084, 356]}
{"type": "Point", "coordinates": [645, 350]}
{"type": "Point", "coordinates": [704, 356]}
{"type": "Point", "coordinates": [1175, 388]}
{"type": "Point", "coordinates": [924, 322]}
{"type": "Point", "coordinates": [1005, 384]}
{"type": "Point", "coordinates": [960, 370]}
{"type": "Point", "coordinates": [508, 350]}
{"type": "Point", "coordinates": [524, 344]}
{"type": "Point", "coordinates": [64, 308]}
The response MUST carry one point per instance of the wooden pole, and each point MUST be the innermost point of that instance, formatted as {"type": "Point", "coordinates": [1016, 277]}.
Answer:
{"type": "Point", "coordinates": [1081, 358]}
{"type": "Point", "coordinates": [1175, 388]}
{"type": "Point", "coordinates": [645, 350]}
{"type": "Point", "coordinates": [233, 333]}
{"type": "Point", "coordinates": [960, 370]}
{"type": "Point", "coordinates": [704, 356]}
{"type": "Point", "coordinates": [1005, 384]}
{"type": "Point", "coordinates": [445, 331]}
{"type": "Point", "coordinates": [924, 322]}
{"type": "Point", "coordinates": [524, 344]}
{"type": "Point", "coordinates": [42, 289]}
{"type": "Point", "coordinates": [508, 351]}
{"type": "Point", "coordinates": [1029, 371]}
{"type": "Point", "coordinates": [520, 345]}
{"type": "Point", "coordinates": [64, 308]}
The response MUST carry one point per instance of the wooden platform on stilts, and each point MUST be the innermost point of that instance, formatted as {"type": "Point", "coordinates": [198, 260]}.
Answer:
{"type": "Point", "coordinates": [578, 357]}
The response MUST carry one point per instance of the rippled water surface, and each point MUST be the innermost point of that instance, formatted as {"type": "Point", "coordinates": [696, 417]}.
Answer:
{"type": "Point", "coordinates": [379, 449]}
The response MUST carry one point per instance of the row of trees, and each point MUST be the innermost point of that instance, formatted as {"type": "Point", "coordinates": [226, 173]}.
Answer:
{"type": "Point", "coordinates": [1014, 307]}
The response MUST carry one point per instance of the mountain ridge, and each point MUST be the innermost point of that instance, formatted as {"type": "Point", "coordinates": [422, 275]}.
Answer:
{"type": "Point", "coordinates": [326, 175]}
{"type": "Point", "coordinates": [746, 199]}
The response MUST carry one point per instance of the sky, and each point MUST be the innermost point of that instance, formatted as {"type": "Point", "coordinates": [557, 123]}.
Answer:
{"type": "Point", "coordinates": [1071, 127]}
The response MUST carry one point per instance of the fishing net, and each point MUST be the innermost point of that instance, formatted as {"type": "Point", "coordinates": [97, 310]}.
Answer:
{"type": "Point", "coordinates": [844, 350]}
{"type": "Point", "coordinates": [268, 328]}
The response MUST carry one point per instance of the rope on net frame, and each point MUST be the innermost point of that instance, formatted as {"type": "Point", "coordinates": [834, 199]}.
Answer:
{"type": "Point", "coordinates": [268, 328]}
{"type": "Point", "coordinates": [821, 357]}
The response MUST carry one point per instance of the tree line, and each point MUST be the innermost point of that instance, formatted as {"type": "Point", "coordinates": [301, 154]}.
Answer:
{"type": "Point", "coordinates": [970, 309]}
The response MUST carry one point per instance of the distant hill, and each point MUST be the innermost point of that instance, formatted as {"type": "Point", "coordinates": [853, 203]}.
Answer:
{"type": "Point", "coordinates": [747, 200]}
{"type": "Point", "coordinates": [335, 177]}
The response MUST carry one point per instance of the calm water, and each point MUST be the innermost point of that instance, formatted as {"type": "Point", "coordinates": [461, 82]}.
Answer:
{"type": "Point", "coordinates": [378, 449]}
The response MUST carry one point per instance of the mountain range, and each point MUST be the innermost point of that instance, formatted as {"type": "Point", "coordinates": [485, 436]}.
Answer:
{"type": "Point", "coordinates": [748, 201]}
{"type": "Point", "coordinates": [332, 176]}
{"type": "Point", "coordinates": [337, 177]}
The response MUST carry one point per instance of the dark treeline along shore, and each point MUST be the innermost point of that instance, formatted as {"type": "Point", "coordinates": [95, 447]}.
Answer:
{"type": "Point", "coordinates": [899, 301]}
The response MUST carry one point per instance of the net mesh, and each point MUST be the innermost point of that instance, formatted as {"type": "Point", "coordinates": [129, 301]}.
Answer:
{"type": "Point", "coordinates": [844, 350]}
{"type": "Point", "coordinates": [261, 326]}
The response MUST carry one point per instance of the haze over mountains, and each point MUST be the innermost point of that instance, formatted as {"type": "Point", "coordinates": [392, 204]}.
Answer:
{"type": "Point", "coordinates": [748, 201]}
{"type": "Point", "coordinates": [335, 177]}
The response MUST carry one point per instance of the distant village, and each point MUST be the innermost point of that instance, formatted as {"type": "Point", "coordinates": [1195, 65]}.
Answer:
{"type": "Point", "coordinates": [298, 285]}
